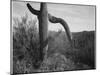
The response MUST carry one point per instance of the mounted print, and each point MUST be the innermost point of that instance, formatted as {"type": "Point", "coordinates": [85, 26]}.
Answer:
{"type": "Point", "coordinates": [52, 37]}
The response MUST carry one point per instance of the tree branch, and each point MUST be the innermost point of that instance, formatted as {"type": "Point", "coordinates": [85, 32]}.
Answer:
{"type": "Point", "coordinates": [32, 10]}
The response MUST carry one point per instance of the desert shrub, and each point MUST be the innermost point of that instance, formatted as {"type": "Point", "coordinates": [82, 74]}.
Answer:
{"type": "Point", "coordinates": [57, 62]}
{"type": "Point", "coordinates": [25, 43]}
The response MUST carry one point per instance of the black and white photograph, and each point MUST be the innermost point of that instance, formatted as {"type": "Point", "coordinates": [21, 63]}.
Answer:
{"type": "Point", "coordinates": [52, 37]}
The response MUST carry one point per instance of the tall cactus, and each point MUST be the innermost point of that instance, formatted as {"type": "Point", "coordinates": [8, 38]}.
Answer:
{"type": "Point", "coordinates": [43, 28]}
{"type": "Point", "coordinates": [43, 18]}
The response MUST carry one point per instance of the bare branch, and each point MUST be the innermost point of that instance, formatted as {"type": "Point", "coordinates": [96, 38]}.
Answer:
{"type": "Point", "coordinates": [32, 10]}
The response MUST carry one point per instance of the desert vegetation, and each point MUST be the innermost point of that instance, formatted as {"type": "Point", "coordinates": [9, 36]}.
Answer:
{"type": "Point", "coordinates": [60, 55]}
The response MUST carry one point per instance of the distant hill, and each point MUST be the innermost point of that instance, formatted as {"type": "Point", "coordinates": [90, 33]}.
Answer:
{"type": "Point", "coordinates": [84, 39]}
{"type": "Point", "coordinates": [80, 39]}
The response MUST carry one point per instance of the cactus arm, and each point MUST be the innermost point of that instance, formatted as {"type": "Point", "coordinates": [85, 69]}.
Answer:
{"type": "Point", "coordinates": [32, 10]}
{"type": "Point", "coordinates": [54, 19]}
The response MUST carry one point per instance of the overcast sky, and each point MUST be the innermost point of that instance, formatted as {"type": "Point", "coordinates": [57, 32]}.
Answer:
{"type": "Point", "coordinates": [79, 18]}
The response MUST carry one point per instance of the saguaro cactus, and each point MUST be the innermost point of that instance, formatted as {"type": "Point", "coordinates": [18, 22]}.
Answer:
{"type": "Point", "coordinates": [43, 28]}
{"type": "Point", "coordinates": [43, 18]}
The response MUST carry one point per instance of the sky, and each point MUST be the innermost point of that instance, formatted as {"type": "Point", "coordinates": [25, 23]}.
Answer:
{"type": "Point", "coordinates": [78, 17]}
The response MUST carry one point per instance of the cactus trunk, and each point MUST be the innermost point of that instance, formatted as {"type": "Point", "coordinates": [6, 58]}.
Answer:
{"type": "Point", "coordinates": [43, 30]}
{"type": "Point", "coordinates": [42, 16]}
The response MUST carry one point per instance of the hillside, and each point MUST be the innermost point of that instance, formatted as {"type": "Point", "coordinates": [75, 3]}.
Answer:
{"type": "Point", "coordinates": [83, 50]}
